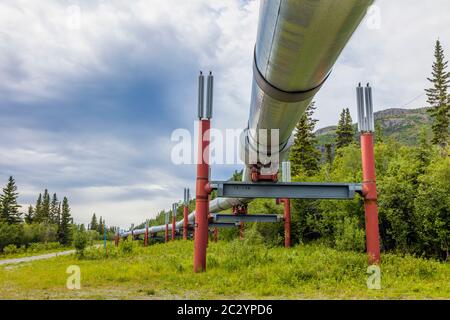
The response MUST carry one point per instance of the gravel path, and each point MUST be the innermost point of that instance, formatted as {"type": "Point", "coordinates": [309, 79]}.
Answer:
{"type": "Point", "coordinates": [33, 258]}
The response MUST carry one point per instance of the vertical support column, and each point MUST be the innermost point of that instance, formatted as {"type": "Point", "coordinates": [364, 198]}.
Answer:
{"type": "Point", "coordinates": [132, 232]}
{"type": "Point", "coordinates": [202, 195]}
{"type": "Point", "coordinates": [287, 223]}
{"type": "Point", "coordinates": [241, 230]}
{"type": "Point", "coordinates": [239, 210]}
{"type": "Point", "coordinates": [216, 234]}
{"type": "Point", "coordinates": [367, 128]}
{"type": "Point", "coordinates": [166, 234]}
{"type": "Point", "coordinates": [286, 176]}
{"type": "Point", "coordinates": [174, 220]}
{"type": "Point", "coordinates": [186, 214]}
{"type": "Point", "coordinates": [146, 234]}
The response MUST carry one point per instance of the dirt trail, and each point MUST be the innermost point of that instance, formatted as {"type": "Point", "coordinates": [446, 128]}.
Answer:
{"type": "Point", "coordinates": [39, 257]}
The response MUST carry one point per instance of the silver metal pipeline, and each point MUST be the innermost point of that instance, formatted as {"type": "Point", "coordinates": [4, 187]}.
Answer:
{"type": "Point", "coordinates": [297, 44]}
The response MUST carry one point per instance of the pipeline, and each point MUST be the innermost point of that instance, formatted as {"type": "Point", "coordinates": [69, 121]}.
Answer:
{"type": "Point", "coordinates": [298, 42]}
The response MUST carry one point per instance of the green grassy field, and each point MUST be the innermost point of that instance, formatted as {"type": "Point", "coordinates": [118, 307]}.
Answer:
{"type": "Point", "coordinates": [236, 270]}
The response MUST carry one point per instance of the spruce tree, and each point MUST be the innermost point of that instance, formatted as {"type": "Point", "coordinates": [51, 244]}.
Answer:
{"type": "Point", "coordinates": [423, 151]}
{"type": "Point", "coordinates": [100, 226]}
{"type": "Point", "coordinates": [29, 216]}
{"type": "Point", "coordinates": [54, 209]}
{"type": "Point", "coordinates": [438, 98]}
{"type": "Point", "coordinates": [10, 209]}
{"type": "Point", "coordinates": [58, 215]}
{"type": "Point", "coordinates": [94, 224]}
{"type": "Point", "coordinates": [65, 235]}
{"type": "Point", "coordinates": [304, 155]}
{"type": "Point", "coordinates": [345, 130]}
{"type": "Point", "coordinates": [46, 207]}
{"type": "Point", "coordinates": [38, 217]}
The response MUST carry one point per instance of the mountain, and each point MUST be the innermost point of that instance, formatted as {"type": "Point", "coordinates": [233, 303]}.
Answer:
{"type": "Point", "coordinates": [402, 125]}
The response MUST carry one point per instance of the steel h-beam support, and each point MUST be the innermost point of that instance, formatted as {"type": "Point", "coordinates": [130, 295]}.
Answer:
{"type": "Point", "coordinates": [201, 193]}
{"type": "Point", "coordinates": [186, 214]}
{"type": "Point", "coordinates": [367, 128]}
{"type": "Point", "coordinates": [295, 190]}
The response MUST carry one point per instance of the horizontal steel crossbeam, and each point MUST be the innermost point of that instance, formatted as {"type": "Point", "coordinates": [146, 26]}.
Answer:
{"type": "Point", "coordinates": [231, 189]}
{"type": "Point", "coordinates": [222, 225]}
{"type": "Point", "coordinates": [233, 218]}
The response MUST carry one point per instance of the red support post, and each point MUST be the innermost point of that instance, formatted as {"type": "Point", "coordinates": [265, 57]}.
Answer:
{"type": "Point", "coordinates": [202, 197]}
{"type": "Point", "coordinates": [287, 222]}
{"type": "Point", "coordinates": [174, 226]}
{"type": "Point", "coordinates": [241, 230]}
{"type": "Point", "coordinates": [146, 235]}
{"type": "Point", "coordinates": [370, 198]}
{"type": "Point", "coordinates": [166, 235]}
{"type": "Point", "coordinates": [185, 222]}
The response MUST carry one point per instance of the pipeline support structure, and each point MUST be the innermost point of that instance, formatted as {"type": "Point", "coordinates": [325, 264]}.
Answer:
{"type": "Point", "coordinates": [298, 42]}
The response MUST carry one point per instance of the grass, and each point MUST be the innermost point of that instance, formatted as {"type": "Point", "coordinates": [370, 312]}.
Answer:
{"type": "Point", "coordinates": [236, 270]}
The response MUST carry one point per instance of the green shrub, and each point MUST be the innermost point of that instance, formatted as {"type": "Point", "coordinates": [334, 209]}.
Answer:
{"type": "Point", "coordinates": [349, 236]}
{"type": "Point", "coordinates": [39, 232]}
{"type": "Point", "coordinates": [10, 234]}
{"type": "Point", "coordinates": [432, 210]}
{"type": "Point", "coordinates": [80, 241]}
{"type": "Point", "coordinates": [126, 246]}
{"type": "Point", "coordinates": [10, 249]}
{"type": "Point", "coordinates": [93, 236]}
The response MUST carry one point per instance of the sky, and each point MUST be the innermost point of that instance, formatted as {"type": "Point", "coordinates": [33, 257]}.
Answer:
{"type": "Point", "coordinates": [92, 90]}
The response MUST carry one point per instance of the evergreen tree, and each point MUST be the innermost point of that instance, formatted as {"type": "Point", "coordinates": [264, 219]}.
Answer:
{"type": "Point", "coordinates": [423, 151]}
{"type": "Point", "coordinates": [29, 216]}
{"type": "Point", "coordinates": [329, 153]}
{"type": "Point", "coordinates": [94, 224]}
{"type": "Point", "coordinates": [58, 216]}
{"type": "Point", "coordinates": [439, 99]}
{"type": "Point", "coordinates": [304, 156]}
{"type": "Point", "coordinates": [100, 226]}
{"type": "Point", "coordinates": [38, 217]}
{"type": "Point", "coordinates": [345, 130]}
{"type": "Point", "coordinates": [65, 235]}
{"type": "Point", "coordinates": [46, 207]}
{"type": "Point", "coordinates": [54, 209]}
{"type": "Point", "coordinates": [10, 209]}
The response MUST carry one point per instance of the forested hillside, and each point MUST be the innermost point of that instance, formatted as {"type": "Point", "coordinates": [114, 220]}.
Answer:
{"type": "Point", "coordinates": [403, 125]}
